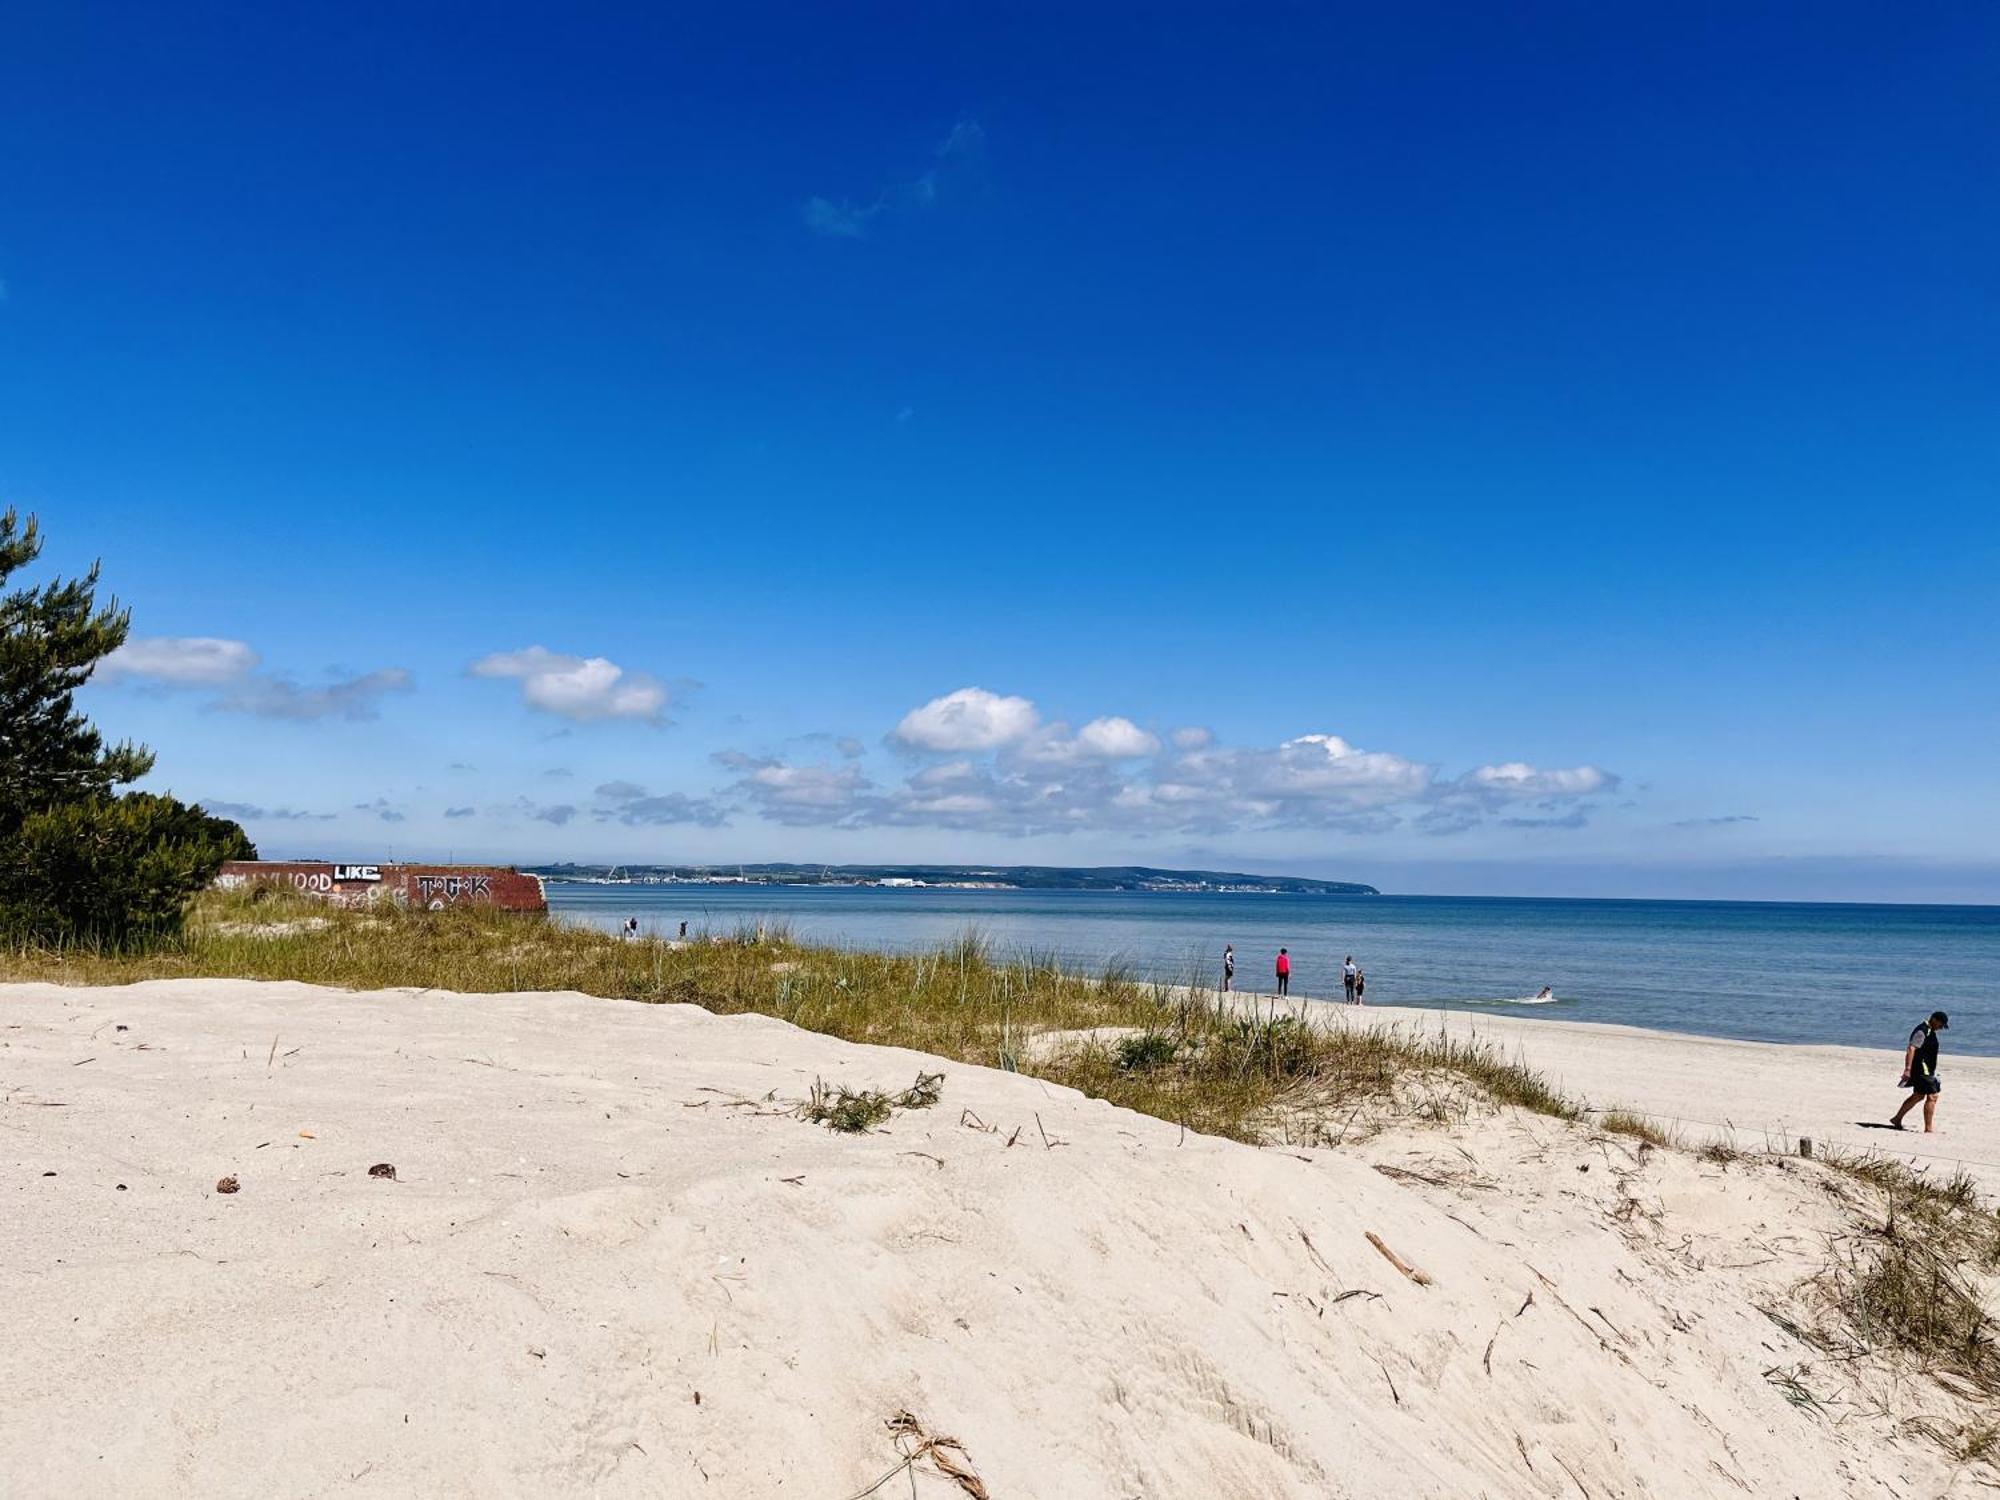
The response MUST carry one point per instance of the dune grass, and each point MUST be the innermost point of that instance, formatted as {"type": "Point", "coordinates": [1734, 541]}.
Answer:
{"type": "Point", "coordinates": [1913, 1280]}
{"type": "Point", "coordinates": [1160, 1049]}
{"type": "Point", "coordinates": [1624, 1122]}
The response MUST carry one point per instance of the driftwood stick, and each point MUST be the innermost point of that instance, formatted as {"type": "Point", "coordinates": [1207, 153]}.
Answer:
{"type": "Point", "coordinates": [1396, 1260]}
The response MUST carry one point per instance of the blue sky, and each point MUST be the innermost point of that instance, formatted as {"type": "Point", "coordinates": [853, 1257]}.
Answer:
{"type": "Point", "coordinates": [1527, 449]}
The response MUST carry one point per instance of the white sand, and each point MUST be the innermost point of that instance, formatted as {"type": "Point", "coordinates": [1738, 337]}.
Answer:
{"type": "Point", "coordinates": [613, 1265]}
{"type": "Point", "coordinates": [1750, 1094]}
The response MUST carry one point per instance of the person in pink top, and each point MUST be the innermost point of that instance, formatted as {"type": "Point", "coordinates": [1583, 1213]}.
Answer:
{"type": "Point", "coordinates": [1284, 971]}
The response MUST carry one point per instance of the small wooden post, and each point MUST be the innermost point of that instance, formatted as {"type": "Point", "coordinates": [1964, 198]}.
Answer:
{"type": "Point", "coordinates": [1805, 1146]}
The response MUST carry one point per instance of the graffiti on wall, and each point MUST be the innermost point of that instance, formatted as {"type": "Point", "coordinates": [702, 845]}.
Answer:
{"type": "Point", "coordinates": [429, 888]}
{"type": "Point", "coordinates": [438, 891]}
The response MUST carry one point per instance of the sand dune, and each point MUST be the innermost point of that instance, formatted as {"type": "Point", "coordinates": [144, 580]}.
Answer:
{"type": "Point", "coordinates": [612, 1262]}
{"type": "Point", "coordinates": [1748, 1093]}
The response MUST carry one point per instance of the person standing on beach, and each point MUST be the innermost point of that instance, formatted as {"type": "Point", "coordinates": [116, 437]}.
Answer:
{"type": "Point", "coordinates": [1920, 1070]}
{"type": "Point", "coordinates": [1348, 974]}
{"type": "Point", "coordinates": [1360, 988]}
{"type": "Point", "coordinates": [631, 929]}
{"type": "Point", "coordinates": [1284, 971]}
{"type": "Point", "coordinates": [1228, 967]}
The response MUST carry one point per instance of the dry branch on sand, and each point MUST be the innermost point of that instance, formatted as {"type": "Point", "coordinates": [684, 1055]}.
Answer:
{"type": "Point", "coordinates": [946, 1457]}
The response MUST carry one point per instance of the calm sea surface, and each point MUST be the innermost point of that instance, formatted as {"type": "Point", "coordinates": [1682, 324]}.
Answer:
{"type": "Point", "coordinates": [1779, 972]}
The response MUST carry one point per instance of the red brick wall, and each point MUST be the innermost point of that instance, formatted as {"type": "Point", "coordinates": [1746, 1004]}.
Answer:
{"type": "Point", "coordinates": [427, 887]}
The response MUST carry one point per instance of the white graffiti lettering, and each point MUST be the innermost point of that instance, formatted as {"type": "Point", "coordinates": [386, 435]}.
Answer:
{"type": "Point", "coordinates": [433, 890]}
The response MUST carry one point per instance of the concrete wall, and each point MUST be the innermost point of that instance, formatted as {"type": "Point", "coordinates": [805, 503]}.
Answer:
{"type": "Point", "coordinates": [425, 887]}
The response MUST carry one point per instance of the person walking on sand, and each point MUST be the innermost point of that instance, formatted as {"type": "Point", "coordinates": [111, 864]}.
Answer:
{"type": "Point", "coordinates": [1284, 971]}
{"type": "Point", "coordinates": [1360, 988]}
{"type": "Point", "coordinates": [631, 929]}
{"type": "Point", "coordinates": [1348, 974]}
{"type": "Point", "coordinates": [1920, 1070]}
{"type": "Point", "coordinates": [1228, 967]}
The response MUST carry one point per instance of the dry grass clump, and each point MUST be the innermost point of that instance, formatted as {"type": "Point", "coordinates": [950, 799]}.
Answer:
{"type": "Point", "coordinates": [1911, 1282]}
{"type": "Point", "coordinates": [1212, 1068]}
{"type": "Point", "coordinates": [1977, 1443]}
{"type": "Point", "coordinates": [857, 1111]}
{"type": "Point", "coordinates": [1146, 1051]}
{"type": "Point", "coordinates": [1623, 1122]}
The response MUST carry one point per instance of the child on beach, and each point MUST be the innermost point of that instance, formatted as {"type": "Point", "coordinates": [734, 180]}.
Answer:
{"type": "Point", "coordinates": [1228, 967]}
{"type": "Point", "coordinates": [1284, 971]}
{"type": "Point", "coordinates": [1360, 988]}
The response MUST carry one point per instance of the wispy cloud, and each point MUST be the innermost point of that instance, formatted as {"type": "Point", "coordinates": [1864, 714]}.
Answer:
{"type": "Point", "coordinates": [1720, 822]}
{"type": "Point", "coordinates": [557, 813]}
{"type": "Point", "coordinates": [845, 218]}
{"type": "Point", "coordinates": [249, 812]}
{"type": "Point", "coordinates": [1576, 817]}
{"type": "Point", "coordinates": [629, 803]}
{"type": "Point", "coordinates": [461, 812]}
{"type": "Point", "coordinates": [380, 809]}
{"type": "Point", "coordinates": [580, 688]}
{"type": "Point", "coordinates": [281, 698]}
{"type": "Point", "coordinates": [227, 670]}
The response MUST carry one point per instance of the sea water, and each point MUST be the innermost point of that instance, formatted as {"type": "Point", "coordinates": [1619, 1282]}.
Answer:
{"type": "Point", "coordinates": [1766, 971]}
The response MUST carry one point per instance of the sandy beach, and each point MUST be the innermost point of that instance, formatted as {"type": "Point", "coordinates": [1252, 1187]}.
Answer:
{"type": "Point", "coordinates": [1748, 1094]}
{"type": "Point", "coordinates": [614, 1261]}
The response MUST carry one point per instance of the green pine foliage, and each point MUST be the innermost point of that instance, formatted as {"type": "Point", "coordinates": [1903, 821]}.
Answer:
{"type": "Point", "coordinates": [77, 861]}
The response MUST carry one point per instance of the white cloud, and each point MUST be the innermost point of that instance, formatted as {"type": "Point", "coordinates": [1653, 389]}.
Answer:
{"type": "Point", "coordinates": [228, 669]}
{"type": "Point", "coordinates": [1559, 795]}
{"type": "Point", "coordinates": [1115, 739]}
{"type": "Point", "coordinates": [1517, 781]}
{"type": "Point", "coordinates": [806, 794]}
{"type": "Point", "coordinates": [1011, 773]}
{"type": "Point", "coordinates": [582, 688]}
{"type": "Point", "coordinates": [179, 661]}
{"type": "Point", "coordinates": [1325, 766]}
{"type": "Point", "coordinates": [969, 719]}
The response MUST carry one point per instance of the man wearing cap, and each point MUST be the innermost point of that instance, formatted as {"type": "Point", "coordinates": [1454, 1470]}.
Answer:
{"type": "Point", "coordinates": [1920, 1070]}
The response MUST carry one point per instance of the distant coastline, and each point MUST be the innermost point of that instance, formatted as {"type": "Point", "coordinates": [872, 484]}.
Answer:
{"type": "Point", "coordinates": [957, 877]}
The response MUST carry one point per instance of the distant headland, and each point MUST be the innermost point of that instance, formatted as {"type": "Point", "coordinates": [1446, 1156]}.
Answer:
{"type": "Point", "coordinates": [956, 877]}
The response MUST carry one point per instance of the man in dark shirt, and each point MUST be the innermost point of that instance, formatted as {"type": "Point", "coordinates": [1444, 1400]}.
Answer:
{"type": "Point", "coordinates": [1920, 1070]}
